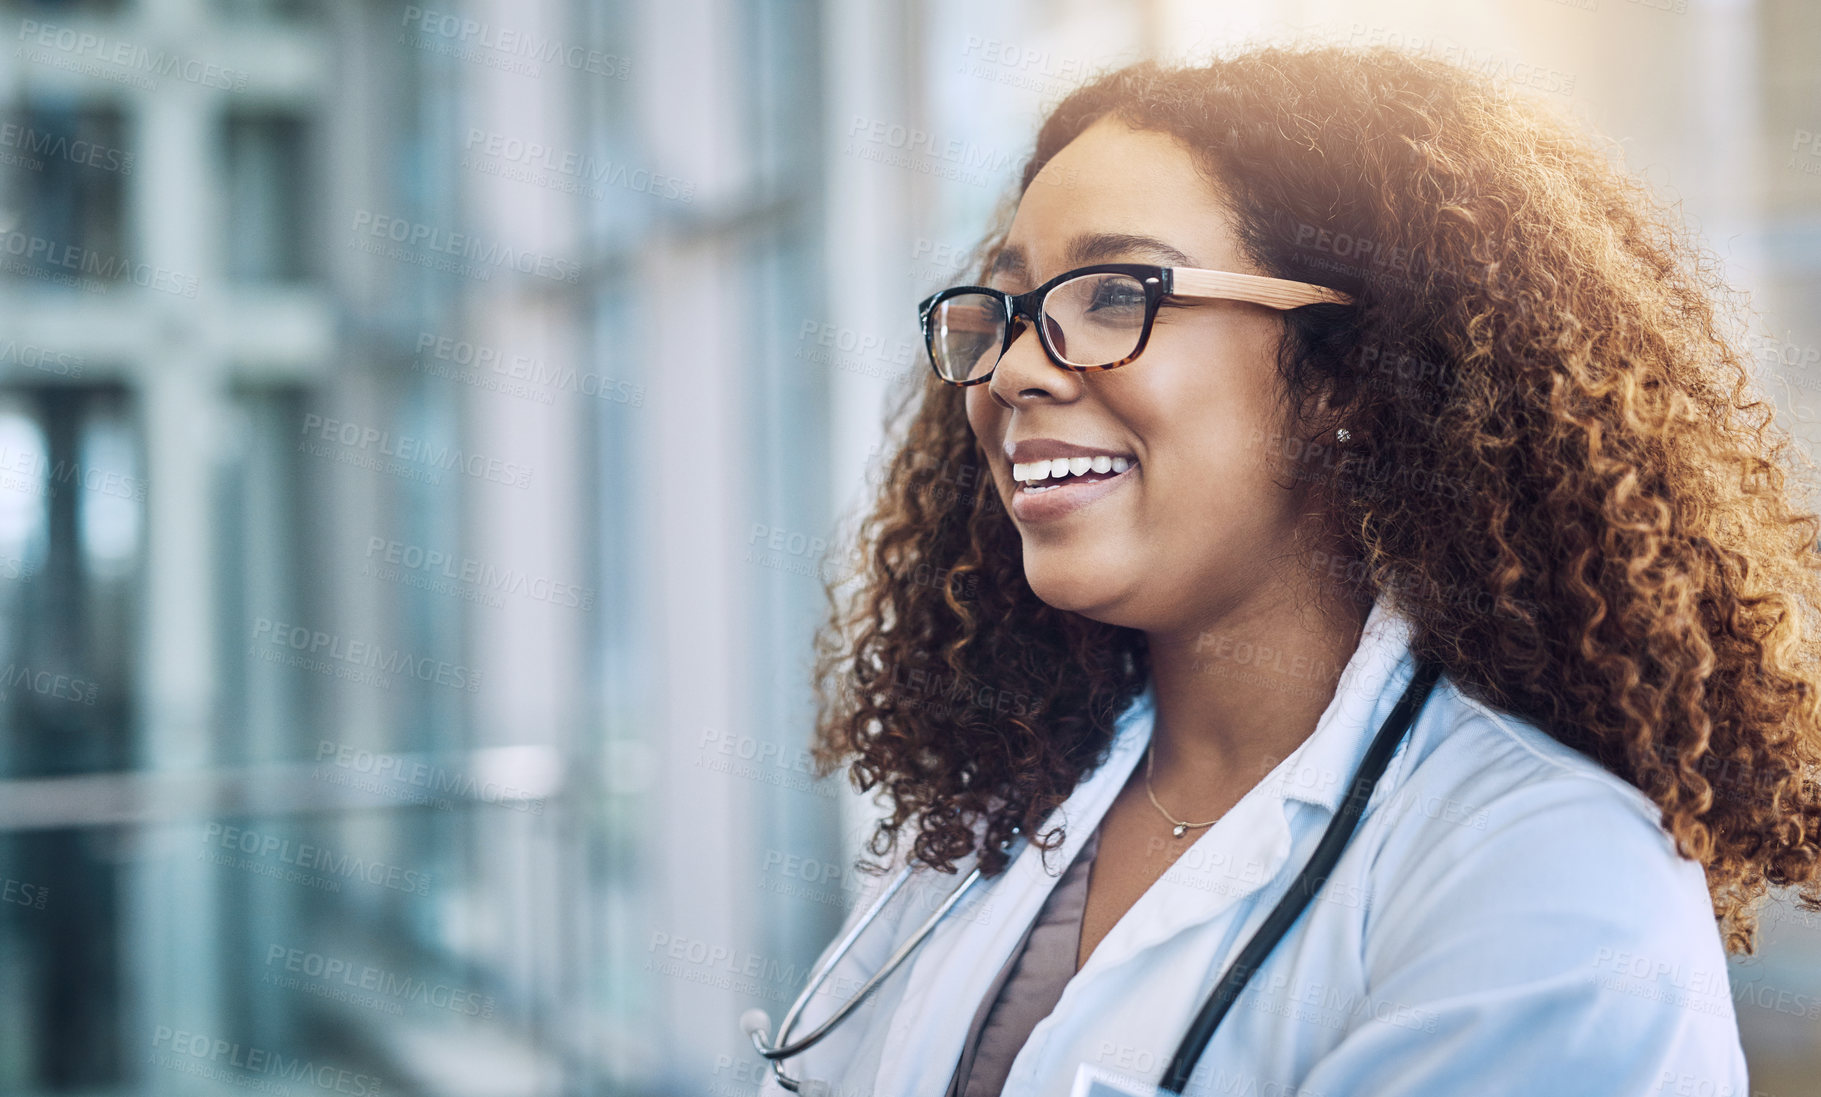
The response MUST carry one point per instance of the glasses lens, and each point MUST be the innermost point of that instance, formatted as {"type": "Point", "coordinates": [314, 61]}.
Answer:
{"type": "Point", "coordinates": [1096, 319]}
{"type": "Point", "coordinates": [966, 332]}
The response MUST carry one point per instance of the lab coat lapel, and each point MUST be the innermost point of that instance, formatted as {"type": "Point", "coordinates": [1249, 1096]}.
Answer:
{"type": "Point", "coordinates": [956, 965]}
{"type": "Point", "coordinates": [1250, 844]}
{"type": "Point", "coordinates": [1232, 860]}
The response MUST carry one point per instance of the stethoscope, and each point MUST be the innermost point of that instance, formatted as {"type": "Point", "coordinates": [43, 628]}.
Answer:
{"type": "Point", "coordinates": [1327, 853]}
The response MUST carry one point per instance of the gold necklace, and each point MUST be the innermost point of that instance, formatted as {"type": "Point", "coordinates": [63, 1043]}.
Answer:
{"type": "Point", "coordinates": [1181, 826]}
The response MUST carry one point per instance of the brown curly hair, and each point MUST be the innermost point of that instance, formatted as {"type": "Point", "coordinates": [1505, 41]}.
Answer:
{"type": "Point", "coordinates": [1560, 467]}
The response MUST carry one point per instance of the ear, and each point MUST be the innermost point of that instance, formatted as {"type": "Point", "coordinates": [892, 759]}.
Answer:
{"type": "Point", "coordinates": [1329, 414]}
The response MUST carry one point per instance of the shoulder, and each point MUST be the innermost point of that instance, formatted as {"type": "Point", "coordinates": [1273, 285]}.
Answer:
{"type": "Point", "coordinates": [1527, 911]}
{"type": "Point", "coordinates": [1470, 768]}
{"type": "Point", "coordinates": [1501, 821]}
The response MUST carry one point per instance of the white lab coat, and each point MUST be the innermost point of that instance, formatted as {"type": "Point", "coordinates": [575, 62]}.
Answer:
{"type": "Point", "coordinates": [1509, 918]}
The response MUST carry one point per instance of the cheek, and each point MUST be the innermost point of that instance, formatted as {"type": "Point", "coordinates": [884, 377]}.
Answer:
{"type": "Point", "coordinates": [1210, 406]}
{"type": "Point", "coordinates": [984, 419]}
{"type": "Point", "coordinates": [1188, 415]}
{"type": "Point", "coordinates": [1209, 453]}
{"type": "Point", "coordinates": [982, 413]}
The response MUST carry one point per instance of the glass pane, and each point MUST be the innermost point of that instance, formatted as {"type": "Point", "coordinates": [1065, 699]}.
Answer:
{"type": "Point", "coordinates": [71, 515]}
{"type": "Point", "coordinates": [64, 167]}
{"type": "Point", "coordinates": [71, 549]}
{"type": "Point", "coordinates": [1096, 319]}
{"type": "Point", "coordinates": [267, 179]}
{"type": "Point", "coordinates": [968, 332]}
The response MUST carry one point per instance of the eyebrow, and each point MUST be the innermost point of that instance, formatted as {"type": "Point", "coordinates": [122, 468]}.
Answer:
{"type": "Point", "coordinates": [1095, 247]}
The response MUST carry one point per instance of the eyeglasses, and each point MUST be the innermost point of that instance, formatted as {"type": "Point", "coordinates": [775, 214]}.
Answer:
{"type": "Point", "coordinates": [1091, 318]}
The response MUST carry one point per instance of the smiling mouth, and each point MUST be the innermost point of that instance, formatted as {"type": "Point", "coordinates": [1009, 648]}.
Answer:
{"type": "Point", "coordinates": [1038, 477]}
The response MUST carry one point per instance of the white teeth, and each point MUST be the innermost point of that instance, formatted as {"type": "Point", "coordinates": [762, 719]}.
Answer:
{"type": "Point", "coordinates": [1033, 472]}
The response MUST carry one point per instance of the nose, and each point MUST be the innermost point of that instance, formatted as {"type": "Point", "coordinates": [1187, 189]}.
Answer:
{"type": "Point", "coordinates": [1025, 373]}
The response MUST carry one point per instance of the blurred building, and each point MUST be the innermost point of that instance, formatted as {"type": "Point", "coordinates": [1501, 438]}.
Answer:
{"type": "Point", "coordinates": [423, 434]}
{"type": "Point", "coordinates": [374, 375]}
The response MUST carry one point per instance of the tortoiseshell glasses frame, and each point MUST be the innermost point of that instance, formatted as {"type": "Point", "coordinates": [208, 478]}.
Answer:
{"type": "Point", "coordinates": [1157, 282]}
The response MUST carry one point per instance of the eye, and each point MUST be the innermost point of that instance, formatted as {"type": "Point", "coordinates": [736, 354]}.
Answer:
{"type": "Point", "coordinates": [1118, 294]}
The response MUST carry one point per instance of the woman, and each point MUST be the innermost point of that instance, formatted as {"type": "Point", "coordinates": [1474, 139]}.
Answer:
{"type": "Point", "coordinates": [1489, 415]}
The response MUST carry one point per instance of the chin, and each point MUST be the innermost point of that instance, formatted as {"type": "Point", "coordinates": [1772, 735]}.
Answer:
{"type": "Point", "coordinates": [1075, 588]}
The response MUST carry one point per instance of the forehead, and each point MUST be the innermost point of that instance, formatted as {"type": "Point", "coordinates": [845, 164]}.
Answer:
{"type": "Point", "coordinates": [1115, 193]}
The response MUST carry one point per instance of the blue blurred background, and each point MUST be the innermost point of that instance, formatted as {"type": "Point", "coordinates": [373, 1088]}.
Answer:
{"type": "Point", "coordinates": [424, 431]}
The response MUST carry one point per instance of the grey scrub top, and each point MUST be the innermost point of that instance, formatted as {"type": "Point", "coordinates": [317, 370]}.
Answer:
{"type": "Point", "coordinates": [1027, 987]}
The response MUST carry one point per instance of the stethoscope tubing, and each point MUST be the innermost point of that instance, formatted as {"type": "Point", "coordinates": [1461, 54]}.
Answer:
{"type": "Point", "coordinates": [784, 1047]}
{"type": "Point", "coordinates": [1308, 881]}
{"type": "Point", "coordinates": [1232, 982]}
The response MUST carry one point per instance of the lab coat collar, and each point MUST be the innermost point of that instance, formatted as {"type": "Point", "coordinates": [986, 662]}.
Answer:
{"type": "Point", "coordinates": [1249, 845]}
{"type": "Point", "coordinates": [1231, 860]}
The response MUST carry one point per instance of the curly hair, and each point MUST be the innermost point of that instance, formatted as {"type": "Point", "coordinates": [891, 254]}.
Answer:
{"type": "Point", "coordinates": [1559, 466]}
